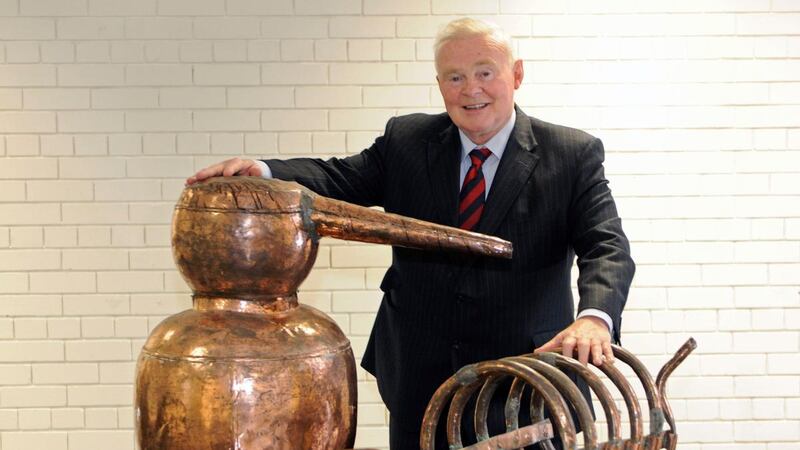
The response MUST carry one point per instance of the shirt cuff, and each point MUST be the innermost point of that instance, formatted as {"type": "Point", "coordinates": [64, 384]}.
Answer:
{"type": "Point", "coordinates": [594, 312]}
{"type": "Point", "coordinates": [265, 170]}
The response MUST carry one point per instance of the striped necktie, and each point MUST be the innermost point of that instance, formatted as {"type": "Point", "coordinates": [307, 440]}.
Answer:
{"type": "Point", "coordinates": [473, 191]}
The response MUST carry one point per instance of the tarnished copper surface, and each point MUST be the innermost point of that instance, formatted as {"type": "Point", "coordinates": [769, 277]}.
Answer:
{"type": "Point", "coordinates": [554, 391]}
{"type": "Point", "coordinates": [248, 367]}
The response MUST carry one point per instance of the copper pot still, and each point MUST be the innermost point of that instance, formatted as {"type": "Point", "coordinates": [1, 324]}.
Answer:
{"type": "Point", "coordinates": [248, 367]}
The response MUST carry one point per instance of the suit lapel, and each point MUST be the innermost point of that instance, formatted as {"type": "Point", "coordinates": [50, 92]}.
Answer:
{"type": "Point", "coordinates": [443, 170]}
{"type": "Point", "coordinates": [513, 173]}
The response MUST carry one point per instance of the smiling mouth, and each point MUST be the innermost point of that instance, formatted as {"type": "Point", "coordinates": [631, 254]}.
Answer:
{"type": "Point", "coordinates": [478, 106]}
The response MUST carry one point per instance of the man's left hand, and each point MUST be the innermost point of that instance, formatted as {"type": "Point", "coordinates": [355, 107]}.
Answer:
{"type": "Point", "coordinates": [588, 335]}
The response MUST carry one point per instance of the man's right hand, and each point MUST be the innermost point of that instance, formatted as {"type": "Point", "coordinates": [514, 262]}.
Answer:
{"type": "Point", "coordinates": [228, 168]}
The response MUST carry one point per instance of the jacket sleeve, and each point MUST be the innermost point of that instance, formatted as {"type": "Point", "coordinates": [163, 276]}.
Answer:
{"type": "Point", "coordinates": [604, 260]}
{"type": "Point", "coordinates": [356, 179]}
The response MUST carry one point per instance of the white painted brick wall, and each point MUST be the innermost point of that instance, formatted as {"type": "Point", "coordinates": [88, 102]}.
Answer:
{"type": "Point", "coordinates": [107, 105]}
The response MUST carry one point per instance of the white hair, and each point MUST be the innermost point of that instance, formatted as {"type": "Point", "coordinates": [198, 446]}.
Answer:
{"type": "Point", "coordinates": [466, 28]}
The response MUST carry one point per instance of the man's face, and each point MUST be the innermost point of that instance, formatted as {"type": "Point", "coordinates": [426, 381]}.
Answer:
{"type": "Point", "coordinates": [477, 82]}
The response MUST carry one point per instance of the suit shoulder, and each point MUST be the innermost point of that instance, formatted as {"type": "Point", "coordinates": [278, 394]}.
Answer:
{"type": "Point", "coordinates": [547, 134]}
{"type": "Point", "coordinates": [418, 125]}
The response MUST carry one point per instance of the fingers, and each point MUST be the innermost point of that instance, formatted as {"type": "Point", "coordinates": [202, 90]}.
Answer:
{"type": "Point", "coordinates": [227, 168]}
{"type": "Point", "coordinates": [551, 345]}
{"type": "Point", "coordinates": [608, 352]}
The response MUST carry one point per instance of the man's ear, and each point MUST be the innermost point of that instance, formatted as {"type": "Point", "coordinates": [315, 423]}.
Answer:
{"type": "Point", "coordinates": [519, 73]}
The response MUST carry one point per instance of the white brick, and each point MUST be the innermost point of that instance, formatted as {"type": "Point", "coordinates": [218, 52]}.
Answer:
{"type": "Point", "coordinates": [59, 190]}
{"type": "Point", "coordinates": [158, 144]}
{"type": "Point", "coordinates": [330, 50]}
{"type": "Point", "coordinates": [782, 364]}
{"type": "Point", "coordinates": [104, 304]}
{"type": "Point", "coordinates": [770, 319]}
{"type": "Point", "coordinates": [50, 8]}
{"type": "Point", "coordinates": [127, 52]}
{"type": "Point", "coordinates": [226, 74]}
{"type": "Point", "coordinates": [191, 8]}
{"type": "Point", "coordinates": [93, 52]}
{"type": "Point", "coordinates": [94, 236]}
{"type": "Point", "coordinates": [158, 121]}
{"type": "Point", "coordinates": [56, 98]}
{"type": "Point", "coordinates": [98, 350]}
{"type": "Point", "coordinates": [56, 145]}
{"type": "Point", "coordinates": [21, 214]}
{"type": "Point", "coordinates": [403, 96]}
{"type": "Point", "coordinates": [356, 301]}
{"type": "Point", "coordinates": [65, 373]}
{"type": "Point", "coordinates": [117, 439]}
{"type": "Point", "coordinates": [15, 374]}
{"type": "Point", "coordinates": [195, 51]}
{"type": "Point", "coordinates": [25, 328]}
{"type": "Point", "coordinates": [328, 97]}
{"type": "Point", "coordinates": [734, 319]}
{"type": "Point", "coordinates": [294, 120]}
{"type": "Point", "coordinates": [90, 121]}
{"type": "Point", "coordinates": [259, 8]}
{"type": "Point", "coordinates": [118, 282]}
{"type": "Point", "coordinates": [158, 213]}
{"type": "Point", "coordinates": [30, 351]}
{"type": "Point", "coordinates": [12, 191]}
{"type": "Point", "coordinates": [90, 213]}
{"type": "Point", "coordinates": [63, 328]}
{"type": "Point", "coordinates": [57, 52]}
{"type": "Point", "coordinates": [34, 419]}
{"type": "Point", "coordinates": [101, 418]}
{"type": "Point", "coordinates": [88, 144]}
{"type": "Point", "coordinates": [28, 305]}
{"type": "Point", "coordinates": [263, 50]}
{"type": "Point", "coordinates": [24, 28]}
{"type": "Point", "coordinates": [359, 119]}
{"type": "Point", "coordinates": [734, 274]}
{"type": "Point", "coordinates": [24, 237]}
{"type": "Point", "coordinates": [363, 73]}
{"type": "Point", "coordinates": [162, 52]}
{"type": "Point", "coordinates": [195, 143]}
{"type": "Point", "coordinates": [91, 28]}
{"type": "Point", "coordinates": [153, 304]}
{"type": "Point", "coordinates": [262, 97]}
{"type": "Point", "coordinates": [389, 7]}
{"type": "Point", "coordinates": [297, 50]}
{"type": "Point", "coordinates": [756, 342]}
{"type": "Point", "coordinates": [763, 430]}
{"type": "Point", "coordinates": [294, 143]}
{"type": "Point", "coordinates": [226, 120]}
{"type": "Point", "coordinates": [117, 98]}
{"type": "Point", "coordinates": [127, 190]}
{"type": "Point", "coordinates": [293, 28]}
{"type": "Point", "coordinates": [62, 282]}
{"type": "Point", "coordinates": [122, 8]}
{"type": "Point", "coordinates": [97, 327]}
{"type": "Point", "coordinates": [226, 28]}
{"type": "Point", "coordinates": [766, 297]}
{"type": "Point", "coordinates": [27, 122]}
{"type": "Point", "coordinates": [66, 418]}
{"type": "Point", "coordinates": [11, 99]}
{"type": "Point", "coordinates": [294, 73]}
{"type": "Point", "coordinates": [158, 28]}
{"type": "Point", "coordinates": [27, 441]}
{"type": "Point", "coordinates": [22, 52]}
{"type": "Point", "coordinates": [228, 51]}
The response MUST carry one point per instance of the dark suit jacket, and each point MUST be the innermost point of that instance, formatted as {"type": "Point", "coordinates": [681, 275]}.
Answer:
{"type": "Point", "coordinates": [441, 311]}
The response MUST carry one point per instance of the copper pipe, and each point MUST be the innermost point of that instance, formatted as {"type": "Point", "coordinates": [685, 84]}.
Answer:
{"type": "Point", "coordinates": [631, 402]}
{"type": "Point", "coordinates": [571, 394]}
{"type": "Point", "coordinates": [482, 404]}
{"type": "Point", "coordinates": [339, 219]}
{"type": "Point", "coordinates": [474, 372]}
{"type": "Point", "coordinates": [600, 390]}
{"type": "Point", "coordinates": [653, 398]}
{"type": "Point", "coordinates": [456, 412]}
{"type": "Point", "coordinates": [519, 438]}
{"type": "Point", "coordinates": [661, 379]}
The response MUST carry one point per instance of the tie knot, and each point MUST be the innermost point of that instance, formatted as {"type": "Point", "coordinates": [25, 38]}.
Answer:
{"type": "Point", "coordinates": [479, 155]}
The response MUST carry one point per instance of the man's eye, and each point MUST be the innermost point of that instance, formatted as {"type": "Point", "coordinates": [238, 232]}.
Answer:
{"type": "Point", "coordinates": [455, 78]}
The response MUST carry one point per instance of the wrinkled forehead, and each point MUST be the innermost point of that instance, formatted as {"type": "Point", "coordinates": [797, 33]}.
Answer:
{"type": "Point", "coordinates": [462, 53]}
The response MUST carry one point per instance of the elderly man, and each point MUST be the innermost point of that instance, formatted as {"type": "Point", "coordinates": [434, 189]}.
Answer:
{"type": "Point", "coordinates": [483, 166]}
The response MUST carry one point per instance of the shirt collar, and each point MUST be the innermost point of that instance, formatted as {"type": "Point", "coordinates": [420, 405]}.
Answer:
{"type": "Point", "coordinates": [497, 144]}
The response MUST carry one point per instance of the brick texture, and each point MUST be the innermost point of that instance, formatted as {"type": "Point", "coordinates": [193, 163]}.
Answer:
{"type": "Point", "coordinates": [106, 106]}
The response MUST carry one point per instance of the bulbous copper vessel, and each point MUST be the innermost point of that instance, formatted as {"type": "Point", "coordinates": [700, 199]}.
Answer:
{"type": "Point", "coordinates": [248, 367]}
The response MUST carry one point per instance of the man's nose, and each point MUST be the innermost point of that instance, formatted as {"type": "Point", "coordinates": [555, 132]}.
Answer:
{"type": "Point", "coordinates": [472, 86]}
